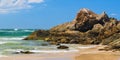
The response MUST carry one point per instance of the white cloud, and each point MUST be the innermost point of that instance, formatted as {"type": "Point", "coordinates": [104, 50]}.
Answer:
{"type": "Point", "coordinates": [35, 1]}
{"type": "Point", "coordinates": [8, 6]}
{"type": "Point", "coordinates": [113, 14]}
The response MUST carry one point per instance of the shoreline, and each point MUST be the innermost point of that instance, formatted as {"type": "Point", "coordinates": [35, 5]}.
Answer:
{"type": "Point", "coordinates": [91, 53]}
{"type": "Point", "coordinates": [46, 56]}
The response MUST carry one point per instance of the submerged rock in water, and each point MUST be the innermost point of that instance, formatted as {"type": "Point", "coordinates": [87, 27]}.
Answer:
{"type": "Point", "coordinates": [26, 52]}
{"type": "Point", "coordinates": [44, 44]}
{"type": "Point", "coordinates": [62, 47]}
{"type": "Point", "coordinates": [23, 52]}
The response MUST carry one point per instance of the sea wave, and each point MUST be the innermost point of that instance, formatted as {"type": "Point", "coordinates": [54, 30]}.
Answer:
{"type": "Point", "coordinates": [12, 38]}
{"type": "Point", "coordinates": [16, 30]}
{"type": "Point", "coordinates": [53, 51]}
{"type": "Point", "coordinates": [87, 47]}
{"type": "Point", "coordinates": [3, 42]}
{"type": "Point", "coordinates": [44, 51]}
{"type": "Point", "coordinates": [19, 31]}
{"type": "Point", "coordinates": [28, 30]}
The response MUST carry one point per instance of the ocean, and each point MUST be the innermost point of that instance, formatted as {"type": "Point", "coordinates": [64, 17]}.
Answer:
{"type": "Point", "coordinates": [11, 42]}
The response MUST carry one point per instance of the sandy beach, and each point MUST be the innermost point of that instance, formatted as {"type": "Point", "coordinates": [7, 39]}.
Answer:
{"type": "Point", "coordinates": [83, 54]}
{"type": "Point", "coordinates": [95, 54]}
{"type": "Point", "coordinates": [56, 56]}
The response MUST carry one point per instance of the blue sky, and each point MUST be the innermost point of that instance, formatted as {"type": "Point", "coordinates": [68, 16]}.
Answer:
{"type": "Point", "coordinates": [44, 14]}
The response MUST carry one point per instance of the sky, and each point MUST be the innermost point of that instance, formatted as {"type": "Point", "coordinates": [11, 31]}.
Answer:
{"type": "Point", "coordinates": [45, 14]}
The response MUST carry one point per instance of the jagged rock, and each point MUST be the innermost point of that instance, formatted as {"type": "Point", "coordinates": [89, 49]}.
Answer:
{"type": "Point", "coordinates": [111, 39]}
{"type": "Point", "coordinates": [38, 35]}
{"type": "Point", "coordinates": [63, 27]}
{"type": "Point", "coordinates": [23, 52]}
{"type": "Point", "coordinates": [86, 19]}
{"type": "Point", "coordinates": [26, 52]}
{"type": "Point", "coordinates": [97, 27]}
{"type": "Point", "coordinates": [74, 41]}
{"type": "Point", "coordinates": [118, 26]}
{"type": "Point", "coordinates": [115, 44]}
{"type": "Point", "coordinates": [87, 28]}
{"type": "Point", "coordinates": [62, 47]}
{"type": "Point", "coordinates": [103, 18]}
{"type": "Point", "coordinates": [107, 48]}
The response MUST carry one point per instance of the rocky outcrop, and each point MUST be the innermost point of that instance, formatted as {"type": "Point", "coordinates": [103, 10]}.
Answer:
{"type": "Point", "coordinates": [87, 28]}
{"type": "Point", "coordinates": [86, 19]}
{"type": "Point", "coordinates": [38, 35]}
{"type": "Point", "coordinates": [115, 44]}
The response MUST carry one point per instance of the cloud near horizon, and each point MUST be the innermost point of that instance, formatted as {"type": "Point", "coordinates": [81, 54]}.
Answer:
{"type": "Point", "coordinates": [8, 6]}
{"type": "Point", "coordinates": [113, 14]}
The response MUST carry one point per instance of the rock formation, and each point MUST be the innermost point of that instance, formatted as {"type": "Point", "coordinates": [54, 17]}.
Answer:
{"type": "Point", "coordinates": [87, 28]}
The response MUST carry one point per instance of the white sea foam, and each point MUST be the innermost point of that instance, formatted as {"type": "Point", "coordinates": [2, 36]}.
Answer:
{"type": "Point", "coordinates": [12, 38]}
{"type": "Point", "coordinates": [15, 29]}
{"type": "Point", "coordinates": [3, 42]}
{"type": "Point", "coordinates": [87, 47]}
{"type": "Point", "coordinates": [44, 51]}
{"type": "Point", "coordinates": [28, 30]}
{"type": "Point", "coordinates": [3, 56]}
{"type": "Point", "coordinates": [53, 51]}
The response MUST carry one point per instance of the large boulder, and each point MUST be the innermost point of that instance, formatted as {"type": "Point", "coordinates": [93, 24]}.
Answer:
{"type": "Point", "coordinates": [86, 20]}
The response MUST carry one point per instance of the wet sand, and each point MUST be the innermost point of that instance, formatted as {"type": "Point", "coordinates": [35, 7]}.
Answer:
{"type": "Point", "coordinates": [47, 56]}
{"type": "Point", "coordinates": [83, 54]}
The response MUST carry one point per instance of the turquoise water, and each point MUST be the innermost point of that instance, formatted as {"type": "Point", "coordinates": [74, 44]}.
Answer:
{"type": "Point", "coordinates": [11, 42]}
{"type": "Point", "coordinates": [15, 32]}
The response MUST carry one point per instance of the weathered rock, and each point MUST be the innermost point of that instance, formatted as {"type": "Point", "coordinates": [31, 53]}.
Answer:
{"type": "Point", "coordinates": [107, 48]}
{"type": "Point", "coordinates": [111, 39]}
{"type": "Point", "coordinates": [44, 44]}
{"type": "Point", "coordinates": [115, 44]}
{"type": "Point", "coordinates": [62, 47]}
{"type": "Point", "coordinates": [118, 26]}
{"type": "Point", "coordinates": [26, 52]}
{"type": "Point", "coordinates": [86, 19]}
{"type": "Point", "coordinates": [87, 28]}
{"type": "Point", "coordinates": [74, 42]}
{"type": "Point", "coordinates": [38, 35]}
{"type": "Point", "coordinates": [23, 52]}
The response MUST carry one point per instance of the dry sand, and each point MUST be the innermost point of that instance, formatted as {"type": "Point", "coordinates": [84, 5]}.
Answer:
{"type": "Point", "coordinates": [94, 54]}
{"type": "Point", "coordinates": [84, 54]}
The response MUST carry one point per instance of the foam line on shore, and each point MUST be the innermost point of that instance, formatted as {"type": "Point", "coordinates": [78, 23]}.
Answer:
{"type": "Point", "coordinates": [3, 56]}
{"type": "Point", "coordinates": [53, 51]}
{"type": "Point", "coordinates": [87, 47]}
{"type": "Point", "coordinates": [47, 51]}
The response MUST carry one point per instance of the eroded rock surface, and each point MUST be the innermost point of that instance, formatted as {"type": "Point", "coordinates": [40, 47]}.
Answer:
{"type": "Point", "coordinates": [87, 28]}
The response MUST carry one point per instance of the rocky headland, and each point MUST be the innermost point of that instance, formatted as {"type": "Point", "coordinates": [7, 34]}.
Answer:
{"type": "Point", "coordinates": [87, 28]}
